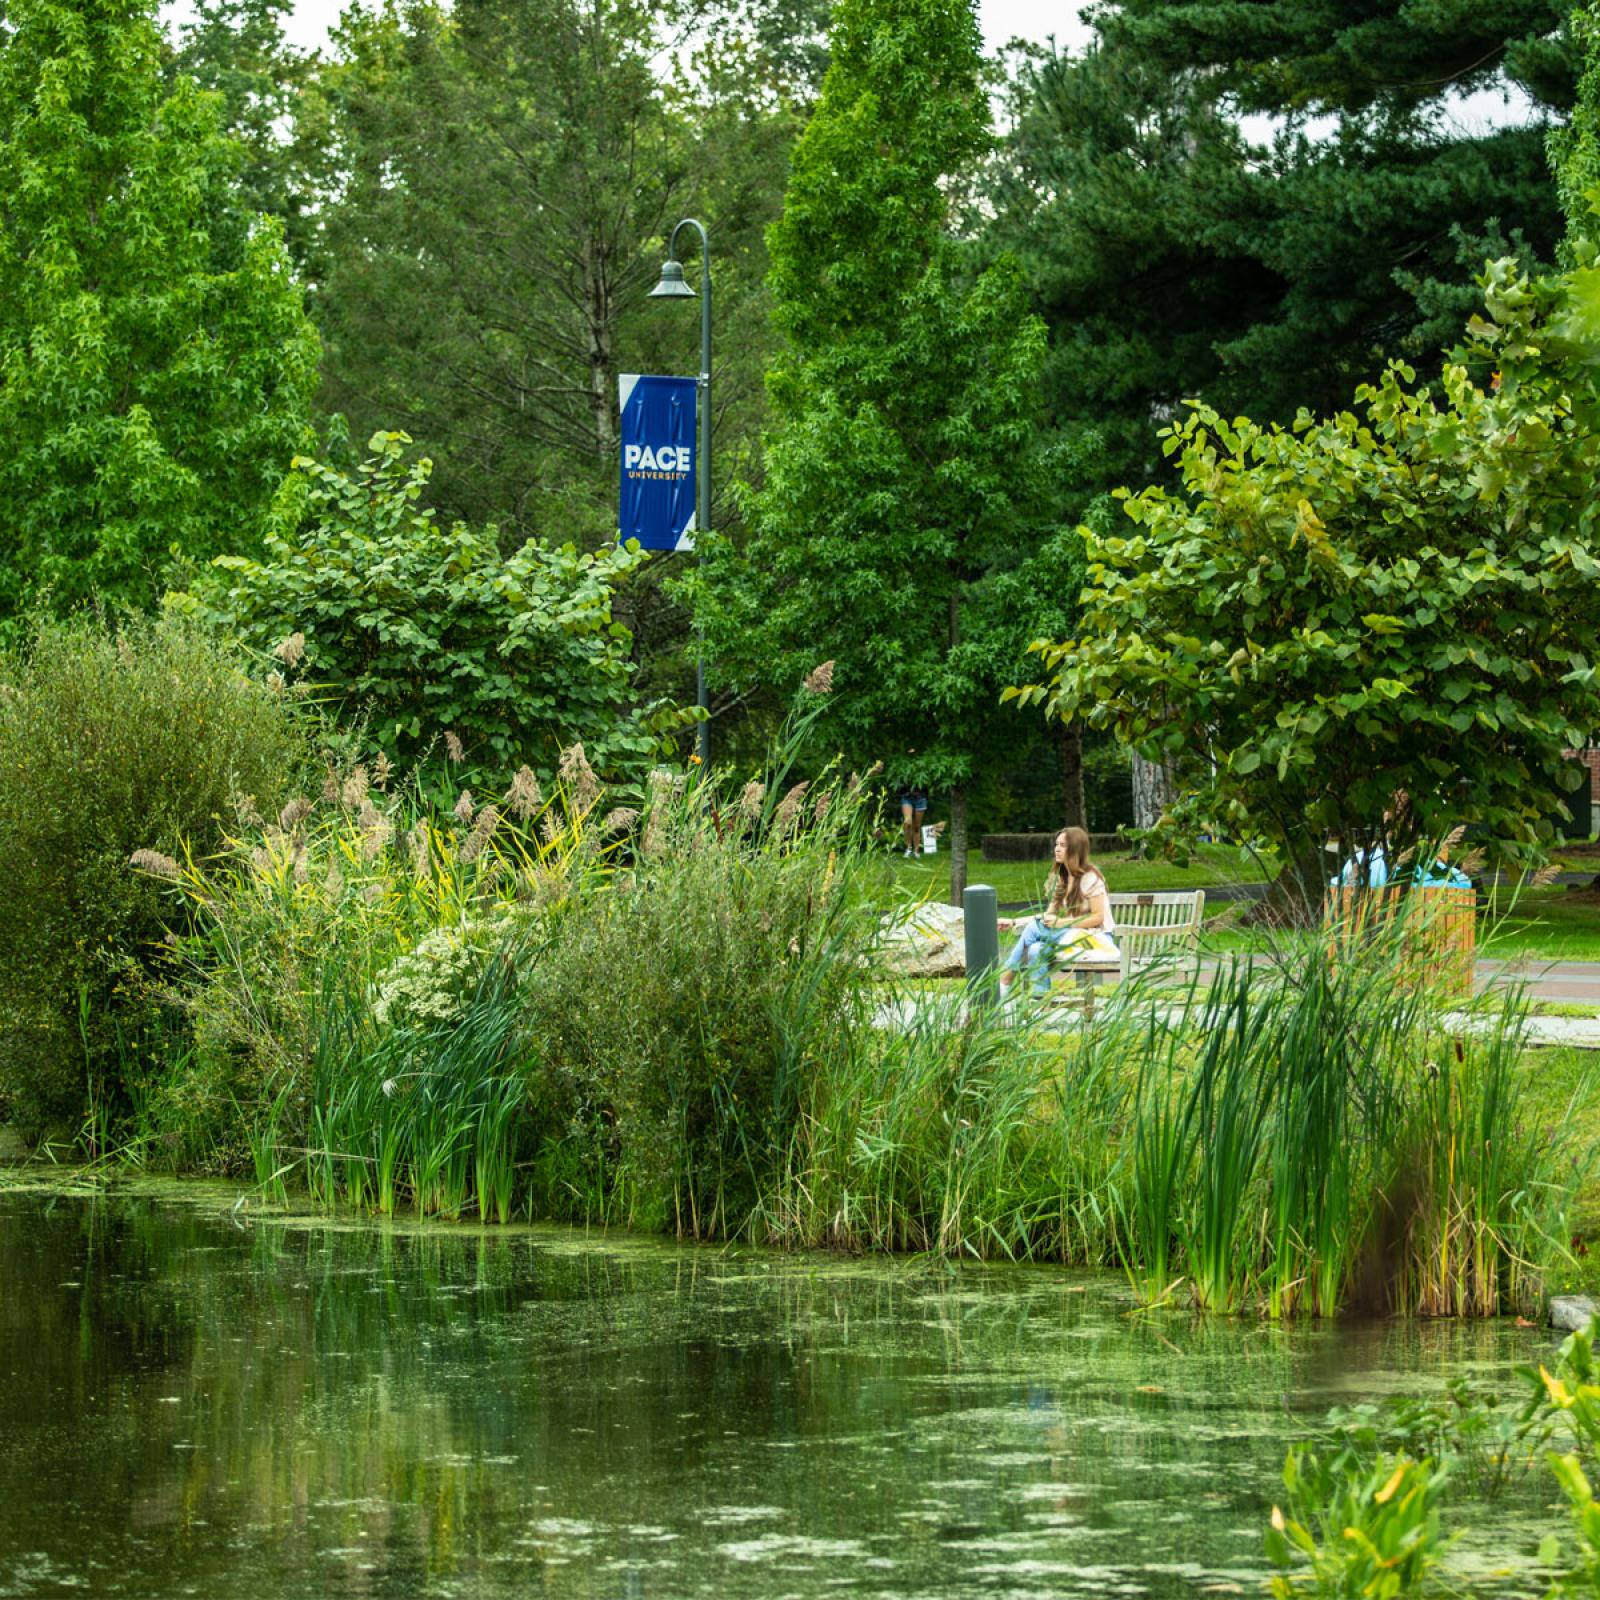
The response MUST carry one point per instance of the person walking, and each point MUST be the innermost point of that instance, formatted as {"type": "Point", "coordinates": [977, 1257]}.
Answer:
{"type": "Point", "coordinates": [913, 809]}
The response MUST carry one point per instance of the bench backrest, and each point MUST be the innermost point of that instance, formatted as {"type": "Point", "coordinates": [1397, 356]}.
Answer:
{"type": "Point", "coordinates": [1178, 912]}
{"type": "Point", "coordinates": [1151, 927]}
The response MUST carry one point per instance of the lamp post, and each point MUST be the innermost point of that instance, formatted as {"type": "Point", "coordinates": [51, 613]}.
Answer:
{"type": "Point", "coordinates": [673, 286]}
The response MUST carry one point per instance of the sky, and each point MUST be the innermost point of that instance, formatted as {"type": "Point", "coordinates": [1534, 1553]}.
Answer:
{"type": "Point", "coordinates": [1002, 20]}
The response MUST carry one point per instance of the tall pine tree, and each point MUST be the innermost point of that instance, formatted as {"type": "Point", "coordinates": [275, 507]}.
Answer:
{"type": "Point", "coordinates": [1174, 255]}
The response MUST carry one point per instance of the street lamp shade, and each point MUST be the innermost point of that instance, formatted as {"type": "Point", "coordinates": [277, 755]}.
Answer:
{"type": "Point", "coordinates": [672, 285]}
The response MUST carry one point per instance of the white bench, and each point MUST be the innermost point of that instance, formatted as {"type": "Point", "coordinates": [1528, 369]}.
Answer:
{"type": "Point", "coordinates": [1150, 928]}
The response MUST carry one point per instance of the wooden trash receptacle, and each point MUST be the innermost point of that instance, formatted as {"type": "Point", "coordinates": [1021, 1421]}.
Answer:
{"type": "Point", "coordinates": [1436, 928]}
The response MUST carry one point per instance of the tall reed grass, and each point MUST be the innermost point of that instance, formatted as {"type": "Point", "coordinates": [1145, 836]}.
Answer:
{"type": "Point", "coordinates": [669, 1010]}
{"type": "Point", "coordinates": [1309, 1134]}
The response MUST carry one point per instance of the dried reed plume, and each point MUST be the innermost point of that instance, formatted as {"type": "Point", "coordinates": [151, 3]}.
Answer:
{"type": "Point", "coordinates": [820, 809]}
{"type": "Point", "coordinates": [276, 682]}
{"type": "Point", "coordinates": [421, 851]}
{"type": "Point", "coordinates": [524, 797]}
{"type": "Point", "coordinates": [156, 864]}
{"type": "Point", "coordinates": [583, 788]}
{"type": "Point", "coordinates": [662, 789]}
{"type": "Point", "coordinates": [354, 789]}
{"type": "Point", "coordinates": [819, 680]}
{"type": "Point", "coordinates": [541, 886]}
{"type": "Point", "coordinates": [464, 810]}
{"type": "Point", "coordinates": [784, 818]}
{"type": "Point", "coordinates": [482, 832]}
{"type": "Point", "coordinates": [291, 651]}
{"type": "Point", "coordinates": [382, 770]}
{"type": "Point", "coordinates": [330, 787]}
{"type": "Point", "coordinates": [750, 800]}
{"type": "Point", "coordinates": [295, 813]}
{"type": "Point", "coordinates": [244, 806]}
{"type": "Point", "coordinates": [376, 831]}
{"type": "Point", "coordinates": [619, 819]}
{"type": "Point", "coordinates": [333, 882]}
{"type": "Point", "coordinates": [453, 748]}
{"type": "Point", "coordinates": [857, 779]}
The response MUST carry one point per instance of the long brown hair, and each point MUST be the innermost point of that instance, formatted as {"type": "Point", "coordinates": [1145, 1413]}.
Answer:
{"type": "Point", "coordinates": [1066, 877]}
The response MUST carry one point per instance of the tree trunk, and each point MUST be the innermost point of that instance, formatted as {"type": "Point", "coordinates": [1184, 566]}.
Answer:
{"type": "Point", "coordinates": [600, 313]}
{"type": "Point", "coordinates": [958, 792]}
{"type": "Point", "coordinates": [958, 843]}
{"type": "Point", "coordinates": [1152, 791]}
{"type": "Point", "coordinates": [1069, 741]}
{"type": "Point", "coordinates": [1294, 898]}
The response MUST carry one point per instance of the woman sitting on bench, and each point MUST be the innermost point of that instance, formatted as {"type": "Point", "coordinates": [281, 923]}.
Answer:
{"type": "Point", "coordinates": [1078, 922]}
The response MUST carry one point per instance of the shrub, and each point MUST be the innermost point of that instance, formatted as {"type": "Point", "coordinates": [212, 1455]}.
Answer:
{"type": "Point", "coordinates": [678, 1018]}
{"type": "Point", "coordinates": [601, 1010]}
{"type": "Point", "coordinates": [426, 630]}
{"type": "Point", "coordinates": [143, 739]}
{"type": "Point", "coordinates": [318, 938]}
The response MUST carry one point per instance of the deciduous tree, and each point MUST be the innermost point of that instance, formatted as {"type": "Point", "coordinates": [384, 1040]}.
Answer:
{"type": "Point", "coordinates": [156, 362]}
{"type": "Point", "coordinates": [897, 528]}
{"type": "Point", "coordinates": [1395, 598]}
{"type": "Point", "coordinates": [425, 630]}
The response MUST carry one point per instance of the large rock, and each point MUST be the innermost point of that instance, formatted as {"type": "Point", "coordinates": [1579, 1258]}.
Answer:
{"type": "Point", "coordinates": [927, 942]}
{"type": "Point", "coordinates": [1569, 1312]}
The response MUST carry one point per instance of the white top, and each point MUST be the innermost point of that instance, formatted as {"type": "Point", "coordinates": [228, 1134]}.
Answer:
{"type": "Point", "coordinates": [1089, 885]}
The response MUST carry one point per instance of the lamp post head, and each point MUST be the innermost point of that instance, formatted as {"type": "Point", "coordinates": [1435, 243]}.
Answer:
{"type": "Point", "coordinates": [673, 285]}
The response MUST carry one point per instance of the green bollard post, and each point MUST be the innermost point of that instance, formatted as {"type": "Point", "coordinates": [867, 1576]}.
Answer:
{"type": "Point", "coordinates": [980, 909]}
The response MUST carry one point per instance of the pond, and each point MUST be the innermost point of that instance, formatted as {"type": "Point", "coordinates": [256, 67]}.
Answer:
{"type": "Point", "coordinates": [201, 1400]}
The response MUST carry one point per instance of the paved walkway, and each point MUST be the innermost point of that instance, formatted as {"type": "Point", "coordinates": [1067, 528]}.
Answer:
{"type": "Point", "coordinates": [1581, 1033]}
{"type": "Point", "coordinates": [1574, 981]}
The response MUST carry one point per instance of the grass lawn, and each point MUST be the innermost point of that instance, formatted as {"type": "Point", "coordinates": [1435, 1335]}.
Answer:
{"type": "Point", "coordinates": [1548, 924]}
{"type": "Point", "coordinates": [1021, 882]}
{"type": "Point", "coordinates": [1555, 1079]}
{"type": "Point", "coordinates": [1551, 924]}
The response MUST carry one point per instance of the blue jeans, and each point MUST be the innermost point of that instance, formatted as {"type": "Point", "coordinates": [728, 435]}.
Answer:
{"type": "Point", "coordinates": [1034, 947]}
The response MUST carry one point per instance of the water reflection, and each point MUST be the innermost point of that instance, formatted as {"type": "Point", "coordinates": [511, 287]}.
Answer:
{"type": "Point", "coordinates": [191, 1405]}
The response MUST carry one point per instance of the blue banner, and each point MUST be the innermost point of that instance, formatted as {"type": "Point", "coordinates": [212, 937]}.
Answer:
{"type": "Point", "coordinates": [656, 502]}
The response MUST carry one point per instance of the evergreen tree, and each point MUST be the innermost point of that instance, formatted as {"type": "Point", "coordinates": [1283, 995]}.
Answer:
{"type": "Point", "coordinates": [157, 361]}
{"type": "Point", "coordinates": [237, 50]}
{"type": "Point", "coordinates": [895, 525]}
{"type": "Point", "coordinates": [505, 172]}
{"type": "Point", "coordinates": [1172, 258]}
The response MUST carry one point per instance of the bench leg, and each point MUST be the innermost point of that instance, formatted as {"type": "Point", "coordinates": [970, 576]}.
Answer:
{"type": "Point", "coordinates": [1085, 982]}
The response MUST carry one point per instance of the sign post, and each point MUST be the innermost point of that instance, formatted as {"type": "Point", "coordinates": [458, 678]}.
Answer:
{"type": "Point", "coordinates": [674, 286]}
{"type": "Point", "coordinates": [656, 502]}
